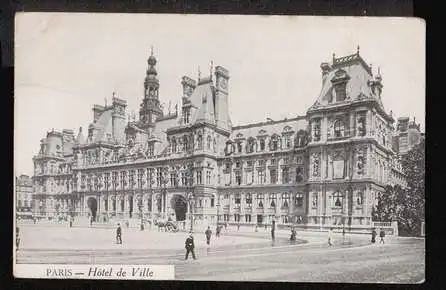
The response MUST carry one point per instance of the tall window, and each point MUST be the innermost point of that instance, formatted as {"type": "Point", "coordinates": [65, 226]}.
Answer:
{"type": "Point", "coordinates": [316, 129]}
{"type": "Point", "coordinates": [299, 174]}
{"type": "Point", "coordinates": [208, 177]}
{"type": "Point", "coordinates": [159, 177]}
{"type": "Point", "coordinates": [174, 145]}
{"type": "Point", "coordinates": [261, 176]}
{"type": "Point", "coordinates": [237, 199]}
{"type": "Point", "coordinates": [185, 143]}
{"type": "Point", "coordinates": [140, 174]}
{"type": "Point", "coordinates": [186, 115]}
{"type": "Point", "coordinates": [151, 149]}
{"type": "Point", "coordinates": [115, 180]}
{"type": "Point", "coordinates": [359, 197]}
{"type": "Point", "coordinates": [274, 143]}
{"type": "Point", "coordinates": [272, 199]}
{"type": "Point", "coordinates": [183, 178]}
{"type": "Point", "coordinates": [285, 199]}
{"type": "Point", "coordinates": [122, 180]}
{"type": "Point", "coordinates": [248, 218]}
{"type": "Point", "coordinates": [287, 141]}
{"type": "Point", "coordinates": [248, 198]}
{"type": "Point", "coordinates": [199, 177]}
{"type": "Point", "coordinates": [339, 128]}
{"type": "Point", "coordinates": [251, 145]}
{"type": "Point", "coordinates": [259, 198]}
{"type": "Point", "coordinates": [340, 91]}
{"type": "Point", "coordinates": [338, 199]}
{"type": "Point", "coordinates": [262, 144]}
{"type": "Point", "coordinates": [173, 179]}
{"type": "Point", "coordinates": [239, 147]}
{"type": "Point", "coordinates": [238, 178]}
{"type": "Point", "coordinates": [273, 175]}
{"type": "Point", "coordinates": [299, 200]}
{"type": "Point", "coordinates": [285, 175]}
{"type": "Point", "coordinates": [212, 201]}
{"type": "Point", "coordinates": [132, 178]}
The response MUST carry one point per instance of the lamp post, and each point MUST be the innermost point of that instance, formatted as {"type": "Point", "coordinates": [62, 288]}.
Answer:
{"type": "Point", "coordinates": [190, 195]}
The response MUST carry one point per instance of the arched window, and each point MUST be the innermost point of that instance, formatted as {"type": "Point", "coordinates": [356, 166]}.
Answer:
{"type": "Point", "coordinates": [259, 199]}
{"type": "Point", "coordinates": [251, 145]}
{"type": "Point", "coordinates": [339, 128]}
{"type": "Point", "coordinates": [272, 199]}
{"type": "Point", "coordinates": [337, 199]}
{"type": "Point", "coordinates": [359, 198]}
{"type": "Point", "coordinates": [248, 198]}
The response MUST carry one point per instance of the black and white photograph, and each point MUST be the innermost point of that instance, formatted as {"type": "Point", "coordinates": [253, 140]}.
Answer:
{"type": "Point", "coordinates": [219, 148]}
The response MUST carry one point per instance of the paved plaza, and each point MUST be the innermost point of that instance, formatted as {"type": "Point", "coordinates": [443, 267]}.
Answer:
{"type": "Point", "coordinates": [236, 255]}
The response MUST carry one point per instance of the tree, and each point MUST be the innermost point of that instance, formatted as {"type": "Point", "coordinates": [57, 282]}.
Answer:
{"type": "Point", "coordinates": [406, 205]}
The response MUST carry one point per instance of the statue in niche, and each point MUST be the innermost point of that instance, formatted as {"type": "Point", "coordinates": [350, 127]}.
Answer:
{"type": "Point", "coordinates": [360, 163]}
{"type": "Point", "coordinates": [316, 164]}
{"type": "Point", "coordinates": [361, 126]}
{"type": "Point", "coordinates": [314, 201]}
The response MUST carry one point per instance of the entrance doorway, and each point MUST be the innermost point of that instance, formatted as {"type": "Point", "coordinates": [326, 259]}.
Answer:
{"type": "Point", "coordinates": [92, 204]}
{"type": "Point", "coordinates": [259, 219]}
{"type": "Point", "coordinates": [180, 207]}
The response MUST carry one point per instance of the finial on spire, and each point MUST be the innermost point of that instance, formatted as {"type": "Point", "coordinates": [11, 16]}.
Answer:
{"type": "Point", "coordinates": [334, 56]}
{"type": "Point", "coordinates": [151, 50]}
{"type": "Point", "coordinates": [357, 50]}
{"type": "Point", "coordinates": [114, 94]}
{"type": "Point", "coordinates": [199, 73]}
{"type": "Point", "coordinates": [105, 99]}
{"type": "Point", "coordinates": [212, 67]}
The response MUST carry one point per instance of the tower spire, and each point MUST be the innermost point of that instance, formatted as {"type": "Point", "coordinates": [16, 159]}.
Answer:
{"type": "Point", "coordinates": [199, 73]}
{"type": "Point", "coordinates": [211, 69]}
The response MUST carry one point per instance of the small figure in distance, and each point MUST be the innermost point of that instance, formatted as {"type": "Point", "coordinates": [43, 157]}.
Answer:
{"type": "Point", "coordinates": [119, 234]}
{"type": "Point", "coordinates": [330, 234]}
{"type": "Point", "coordinates": [208, 234]}
{"type": "Point", "coordinates": [382, 234]}
{"type": "Point", "coordinates": [373, 235]}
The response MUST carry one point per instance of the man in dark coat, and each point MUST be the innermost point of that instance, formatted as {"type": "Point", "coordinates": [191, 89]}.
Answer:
{"type": "Point", "coordinates": [190, 247]}
{"type": "Point", "coordinates": [373, 236]}
{"type": "Point", "coordinates": [119, 234]}
{"type": "Point", "coordinates": [208, 234]}
{"type": "Point", "coordinates": [273, 229]}
{"type": "Point", "coordinates": [217, 231]}
{"type": "Point", "coordinates": [293, 235]}
{"type": "Point", "coordinates": [382, 234]}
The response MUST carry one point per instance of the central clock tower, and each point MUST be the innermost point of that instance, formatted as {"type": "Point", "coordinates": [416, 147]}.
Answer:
{"type": "Point", "coordinates": [150, 107]}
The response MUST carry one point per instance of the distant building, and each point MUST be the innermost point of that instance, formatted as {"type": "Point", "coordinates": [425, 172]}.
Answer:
{"type": "Point", "coordinates": [322, 169]}
{"type": "Point", "coordinates": [406, 136]}
{"type": "Point", "coordinates": [24, 194]}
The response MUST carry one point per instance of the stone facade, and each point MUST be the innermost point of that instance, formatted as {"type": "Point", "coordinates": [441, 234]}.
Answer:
{"type": "Point", "coordinates": [322, 169]}
{"type": "Point", "coordinates": [24, 194]}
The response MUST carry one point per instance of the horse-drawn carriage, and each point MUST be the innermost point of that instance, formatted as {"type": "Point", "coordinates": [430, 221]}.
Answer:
{"type": "Point", "coordinates": [168, 226]}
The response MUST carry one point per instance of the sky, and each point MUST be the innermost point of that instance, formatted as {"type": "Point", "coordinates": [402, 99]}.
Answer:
{"type": "Point", "coordinates": [67, 62]}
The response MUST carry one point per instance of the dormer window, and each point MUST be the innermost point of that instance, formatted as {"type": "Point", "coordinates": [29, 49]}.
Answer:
{"type": "Point", "coordinates": [239, 147]}
{"type": "Point", "coordinates": [186, 115]}
{"type": "Point", "coordinates": [339, 82]}
{"type": "Point", "coordinates": [262, 144]}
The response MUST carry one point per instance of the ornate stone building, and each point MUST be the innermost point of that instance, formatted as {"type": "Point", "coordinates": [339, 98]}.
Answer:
{"type": "Point", "coordinates": [324, 168]}
{"type": "Point", "coordinates": [24, 195]}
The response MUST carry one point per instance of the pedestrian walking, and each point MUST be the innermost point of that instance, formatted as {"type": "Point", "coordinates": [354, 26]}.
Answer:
{"type": "Point", "coordinates": [256, 228]}
{"type": "Point", "coordinates": [293, 235]}
{"type": "Point", "coordinates": [119, 234]}
{"type": "Point", "coordinates": [238, 227]}
{"type": "Point", "coordinates": [266, 227]}
{"type": "Point", "coordinates": [226, 226]}
{"type": "Point", "coordinates": [382, 234]}
{"type": "Point", "coordinates": [273, 230]}
{"type": "Point", "coordinates": [217, 231]}
{"type": "Point", "coordinates": [71, 221]}
{"type": "Point", "coordinates": [190, 247]}
{"type": "Point", "coordinates": [91, 221]}
{"type": "Point", "coordinates": [208, 234]}
{"type": "Point", "coordinates": [127, 224]}
{"type": "Point", "coordinates": [373, 236]}
{"type": "Point", "coordinates": [330, 234]}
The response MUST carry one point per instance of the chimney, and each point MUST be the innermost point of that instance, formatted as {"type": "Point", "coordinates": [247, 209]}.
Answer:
{"type": "Point", "coordinates": [325, 67]}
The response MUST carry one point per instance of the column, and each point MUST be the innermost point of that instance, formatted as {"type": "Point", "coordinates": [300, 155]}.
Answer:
{"type": "Point", "coordinates": [369, 123]}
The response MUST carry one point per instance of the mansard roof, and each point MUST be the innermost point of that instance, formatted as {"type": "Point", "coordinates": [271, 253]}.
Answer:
{"type": "Point", "coordinates": [203, 99]}
{"type": "Point", "coordinates": [269, 128]}
{"type": "Point", "coordinates": [357, 75]}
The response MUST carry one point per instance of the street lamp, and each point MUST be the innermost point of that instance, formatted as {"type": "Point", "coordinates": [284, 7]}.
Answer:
{"type": "Point", "coordinates": [190, 195]}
